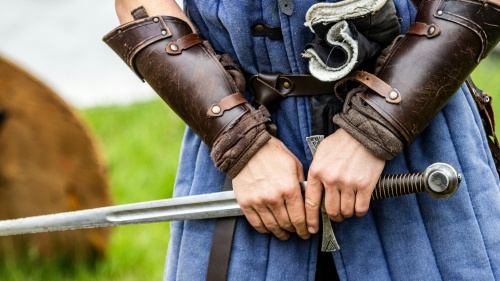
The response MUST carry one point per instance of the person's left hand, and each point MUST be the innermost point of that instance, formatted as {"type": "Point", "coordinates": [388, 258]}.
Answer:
{"type": "Point", "coordinates": [347, 172]}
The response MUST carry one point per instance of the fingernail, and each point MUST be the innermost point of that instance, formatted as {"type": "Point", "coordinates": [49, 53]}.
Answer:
{"type": "Point", "coordinates": [311, 230]}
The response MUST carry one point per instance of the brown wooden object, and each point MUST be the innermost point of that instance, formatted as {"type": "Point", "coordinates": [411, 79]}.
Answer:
{"type": "Point", "coordinates": [48, 164]}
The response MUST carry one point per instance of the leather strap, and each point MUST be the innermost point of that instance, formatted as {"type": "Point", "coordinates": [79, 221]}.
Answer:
{"type": "Point", "coordinates": [268, 88]}
{"type": "Point", "coordinates": [484, 104]}
{"type": "Point", "coordinates": [391, 95]}
{"type": "Point", "coordinates": [424, 29]}
{"type": "Point", "coordinates": [265, 30]}
{"type": "Point", "coordinates": [187, 41]}
{"type": "Point", "coordinates": [227, 103]}
{"type": "Point", "coordinates": [222, 241]}
{"type": "Point", "coordinates": [129, 39]}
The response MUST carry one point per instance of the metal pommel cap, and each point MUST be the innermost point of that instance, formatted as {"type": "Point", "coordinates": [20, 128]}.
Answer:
{"type": "Point", "coordinates": [441, 180]}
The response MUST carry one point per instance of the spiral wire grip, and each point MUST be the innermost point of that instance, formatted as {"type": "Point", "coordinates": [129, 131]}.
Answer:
{"type": "Point", "coordinates": [397, 185]}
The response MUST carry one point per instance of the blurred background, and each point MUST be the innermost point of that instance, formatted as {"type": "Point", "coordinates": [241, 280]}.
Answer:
{"type": "Point", "coordinates": [59, 42]}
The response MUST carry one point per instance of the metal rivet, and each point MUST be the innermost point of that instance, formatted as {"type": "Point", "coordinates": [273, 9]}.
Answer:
{"type": "Point", "coordinates": [393, 95]}
{"type": "Point", "coordinates": [259, 29]}
{"type": "Point", "coordinates": [155, 19]}
{"type": "Point", "coordinates": [120, 32]}
{"type": "Point", "coordinates": [163, 32]}
{"type": "Point", "coordinates": [286, 85]}
{"type": "Point", "coordinates": [440, 13]}
{"type": "Point", "coordinates": [174, 47]}
{"type": "Point", "coordinates": [486, 99]}
{"type": "Point", "coordinates": [215, 109]}
{"type": "Point", "coordinates": [486, 5]}
{"type": "Point", "coordinates": [431, 30]}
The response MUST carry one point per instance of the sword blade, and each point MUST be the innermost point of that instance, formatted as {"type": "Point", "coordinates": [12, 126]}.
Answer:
{"type": "Point", "coordinates": [214, 205]}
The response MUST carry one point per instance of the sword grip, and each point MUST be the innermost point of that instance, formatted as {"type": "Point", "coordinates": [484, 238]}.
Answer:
{"type": "Point", "coordinates": [397, 185]}
{"type": "Point", "coordinates": [440, 180]}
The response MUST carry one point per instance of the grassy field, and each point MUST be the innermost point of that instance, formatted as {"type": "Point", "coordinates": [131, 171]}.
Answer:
{"type": "Point", "coordinates": [141, 144]}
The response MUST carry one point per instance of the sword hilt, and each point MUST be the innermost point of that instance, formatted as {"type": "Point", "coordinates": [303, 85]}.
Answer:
{"type": "Point", "coordinates": [440, 180]}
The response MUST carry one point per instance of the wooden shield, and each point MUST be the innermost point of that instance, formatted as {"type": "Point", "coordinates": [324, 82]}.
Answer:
{"type": "Point", "coordinates": [49, 164]}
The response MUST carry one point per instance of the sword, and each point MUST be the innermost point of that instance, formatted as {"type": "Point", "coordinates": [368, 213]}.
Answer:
{"type": "Point", "coordinates": [440, 180]}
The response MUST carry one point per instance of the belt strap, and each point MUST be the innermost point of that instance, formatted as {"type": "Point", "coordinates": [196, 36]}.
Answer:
{"type": "Point", "coordinates": [268, 88]}
{"type": "Point", "coordinates": [222, 240]}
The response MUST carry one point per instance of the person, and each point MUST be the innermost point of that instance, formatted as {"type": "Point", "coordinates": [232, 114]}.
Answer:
{"type": "Point", "coordinates": [427, 115]}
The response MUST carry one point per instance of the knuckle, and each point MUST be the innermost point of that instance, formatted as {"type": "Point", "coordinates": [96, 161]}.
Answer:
{"type": "Point", "coordinates": [362, 183]}
{"type": "Point", "coordinates": [361, 213]}
{"type": "Point", "coordinates": [362, 209]}
{"type": "Point", "coordinates": [336, 180]}
{"type": "Point", "coordinates": [288, 226]}
{"type": "Point", "coordinates": [337, 219]}
{"type": "Point", "coordinates": [332, 213]}
{"type": "Point", "coordinates": [282, 235]}
{"type": "Point", "coordinates": [296, 220]}
{"type": "Point", "coordinates": [260, 227]}
{"type": "Point", "coordinates": [272, 200]}
{"type": "Point", "coordinates": [273, 227]}
{"type": "Point", "coordinates": [347, 213]}
{"type": "Point", "coordinates": [314, 171]}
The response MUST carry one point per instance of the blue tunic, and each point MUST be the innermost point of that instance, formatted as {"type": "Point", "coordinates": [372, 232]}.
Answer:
{"type": "Point", "coordinates": [413, 237]}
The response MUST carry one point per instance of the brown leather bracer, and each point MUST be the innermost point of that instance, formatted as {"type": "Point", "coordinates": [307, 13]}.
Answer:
{"type": "Point", "coordinates": [202, 87]}
{"type": "Point", "coordinates": [183, 70]}
{"type": "Point", "coordinates": [425, 67]}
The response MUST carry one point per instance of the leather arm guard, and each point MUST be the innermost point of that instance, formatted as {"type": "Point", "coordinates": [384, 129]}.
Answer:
{"type": "Point", "coordinates": [421, 71]}
{"type": "Point", "coordinates": [203, 88]}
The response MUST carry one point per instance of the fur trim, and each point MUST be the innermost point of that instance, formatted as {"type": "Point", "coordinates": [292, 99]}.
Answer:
{"type": "Point", "coordinates": [344, 10]}
{"type": "Point", "coordinates": [339, 35]}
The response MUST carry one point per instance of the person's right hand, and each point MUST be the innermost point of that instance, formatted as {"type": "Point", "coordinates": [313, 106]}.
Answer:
{"type": "Point", "coordinates": [268, 191]}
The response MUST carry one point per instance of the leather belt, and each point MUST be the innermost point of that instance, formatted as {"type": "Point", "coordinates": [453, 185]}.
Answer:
{"type": "Point", "coordinates": [268, 88]}
{"type": "Point", "coordinates": [222, 241]}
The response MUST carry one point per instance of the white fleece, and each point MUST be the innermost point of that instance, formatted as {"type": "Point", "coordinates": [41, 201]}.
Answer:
{"type": "Point", "coordinates": [343, 10]}
{"type": "Point", "coordinates": [338, 35]}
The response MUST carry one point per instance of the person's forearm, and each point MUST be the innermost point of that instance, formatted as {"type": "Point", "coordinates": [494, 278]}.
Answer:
{"type": "Point", "coordinates": [153, 7]}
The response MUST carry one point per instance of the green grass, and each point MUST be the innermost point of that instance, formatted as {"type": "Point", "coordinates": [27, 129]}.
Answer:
{"type": "Point", "coordinates": [140, 144]}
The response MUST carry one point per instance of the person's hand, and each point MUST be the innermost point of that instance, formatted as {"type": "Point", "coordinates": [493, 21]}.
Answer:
{"type": "Point", "coordinates": [268, 191]}
{"type": "Point", "coordinates": [347, 172]}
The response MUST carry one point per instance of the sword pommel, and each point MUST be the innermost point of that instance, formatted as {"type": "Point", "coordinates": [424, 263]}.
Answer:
{"type": "Point", "coordinates": [441, 180]}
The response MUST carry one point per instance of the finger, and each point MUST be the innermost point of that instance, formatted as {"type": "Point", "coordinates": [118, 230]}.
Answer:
{"type": "Point", "coordinates": [280, 213]}
{"type": "Point", "coordinates": [295, 206]}
{"type": "Point", "coordinates": [362, 203]}
{"type": "Point", "coordinates": [347, 200]}
{"type": "Point", "coordinates": [332, 204]}
{"type": "Point", "coordinates": [254, 219]}
{"type": "Point", "coordinates": [313, 195]}
{"type": "Point", "coordinates": [272, 224]}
